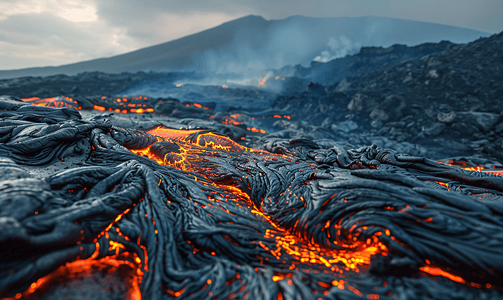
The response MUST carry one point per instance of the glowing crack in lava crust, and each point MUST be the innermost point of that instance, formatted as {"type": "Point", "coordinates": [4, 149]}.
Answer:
{"type": "Point", "coordinates": [191, 214]}
{"type": "Point", "coordinates": [189, 155]}
{"type": "Point", "coordinates": [350, 254]}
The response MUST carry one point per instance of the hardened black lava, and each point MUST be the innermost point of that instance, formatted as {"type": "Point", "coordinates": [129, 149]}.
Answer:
{"type": "Point", "coordinates": [198, 216]}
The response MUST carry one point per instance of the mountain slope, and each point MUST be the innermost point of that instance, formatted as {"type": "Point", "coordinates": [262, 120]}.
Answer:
{"type": "Point", "coordinates": [364, 62]}
{"type": "Point", "coordinates": [253, 42]}
{"type": "Point", "coordinates": [450, 99]}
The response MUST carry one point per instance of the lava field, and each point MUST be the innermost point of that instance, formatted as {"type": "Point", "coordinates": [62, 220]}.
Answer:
{"type": "Point", "coordinates": [256, 196]}
{"type": "Point", "coordinates": [188, 212]}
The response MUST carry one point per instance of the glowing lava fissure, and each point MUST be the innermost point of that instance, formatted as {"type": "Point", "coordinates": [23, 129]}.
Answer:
{"type": "Point", "coordinates": [60, 101]}
{"type": "Point", "coordinates": [332, 251]}
{"type": "Point", "coordinates": [141, 105]}
{"type": "Point", "coordinates": [496, 170]}
{"type": "Point", "coordinates": [118, 105]}
{"type": "Point", "coordinates": [119, 272]}
{"type": "Point", "coordinates": [124, 105]}
{"type": "Point", "coordinates": [192, 150]}
{"type": "Point", "coordinates": [115, 259]}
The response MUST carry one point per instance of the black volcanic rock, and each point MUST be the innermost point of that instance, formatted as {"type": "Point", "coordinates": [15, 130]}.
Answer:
{"type": "Point", "coordinates": [467, 77]}
{"type": "Point", "coordinates": [461, 88]}
{"type": "Point", "coordinates": [367, 60]}
{"type": "Point", "coordinates": [83, 84]}
{"type": "Point", "coordinates": [199, 211]}
{"type": "Point", "coordinates": [455, 94]}
{"type": "Point", "coordinates": [167, 106]}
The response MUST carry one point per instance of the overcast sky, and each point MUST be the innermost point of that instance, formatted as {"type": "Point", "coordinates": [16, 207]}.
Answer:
{"type": "Point", "coordinates": [56, 32]}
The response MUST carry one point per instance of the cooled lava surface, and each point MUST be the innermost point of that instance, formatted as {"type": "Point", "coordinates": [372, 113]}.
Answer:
{"type": "Point", "coordinates": [181, 207]}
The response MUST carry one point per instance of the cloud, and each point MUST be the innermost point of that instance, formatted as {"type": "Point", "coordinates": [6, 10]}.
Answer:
{"type": "Point", "coordinates": [70, 10]}
{"type": "Point", "coordinates": [171, 26]}
{"type": "Point", "coordinates": [47, 39]}
{"type": "Point", "coordinates": [40, 33]}
{"type": "Point", "coordinates": [54, 32]}
{"type": "Point", "coordinates": [484, 15]}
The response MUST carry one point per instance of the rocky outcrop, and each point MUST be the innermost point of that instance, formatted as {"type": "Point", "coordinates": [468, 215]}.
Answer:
{"type": "Point", "coordinates": [452, 95]}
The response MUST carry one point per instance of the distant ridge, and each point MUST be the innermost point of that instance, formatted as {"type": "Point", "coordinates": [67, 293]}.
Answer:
{"type": "Point", "coordinates": [253, 42]}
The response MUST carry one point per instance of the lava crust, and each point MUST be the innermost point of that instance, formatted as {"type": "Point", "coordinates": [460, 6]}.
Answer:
{"type": "Point", "coordinates": [186, 212]}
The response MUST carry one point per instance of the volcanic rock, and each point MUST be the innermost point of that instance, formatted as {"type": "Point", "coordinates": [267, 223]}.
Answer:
{"type": "Point", "coordinates": [446, 117]}
{"type": "Point", "coordinates": [345, 126]}
{"type": "Point", "coordinates": [498, 128]}
{"type": "Point", "coordinates": [433, 129]}
{"type": "Point", "coordinates": [315, 90]}
{"type": "Point", "coordinates": [228, 201]}
{"type": "Point", "coordinates": [452, 93]}
{"type": "Point", "coordinates": [357, 102]}
{"type": "Point", "coordinates": [167, 106]}
{"type": "Point", "coordinates": [378, 114]}
{"type": "Point", "coordinates": [464, 129]}
{"type": "Point", "coordinates": [86, 84]}
{"type": "Point", "coordinates": [367, 60]}
{"type": "Point", "coordinates": [483, 120]}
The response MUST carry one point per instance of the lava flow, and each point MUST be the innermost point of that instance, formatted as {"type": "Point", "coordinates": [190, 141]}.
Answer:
{"type": "Point", "coordinates": [118, 272]}
{"type": "Point", "coordinates": [195, 145]}
{"type": "Point", "coordinates": [192, 151]}
{"type": "Point", "coordinates": [194, 214]}
{"type": "Point", "coordinates": [121, 271]}
{"type": "Point", "coordinates": [140, 105]}
{"type": "Point", "coordinates": [60, 101]}
{"type": "Point", "coordinates": [496, 170]}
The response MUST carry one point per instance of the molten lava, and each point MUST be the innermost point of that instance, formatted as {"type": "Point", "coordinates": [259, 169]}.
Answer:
{"type": "Point", "coordinates": [189, 154]}
{"type": "Point", "coordinates": [115, 270]}
{"type": "Point", "coordinates": [497, 170]}
{"type": "Point", "coordinates": [60, 101]}
{"type": "Point", "coordinates": [262, 82]}
{"type": "Point", "coordinates": [299, 251]}
{"type": "Point", "coordinates": [329, 251]}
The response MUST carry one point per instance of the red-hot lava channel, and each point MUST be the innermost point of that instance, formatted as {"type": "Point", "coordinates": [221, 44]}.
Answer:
{"type": "Point", "coordinates": [300, 251]}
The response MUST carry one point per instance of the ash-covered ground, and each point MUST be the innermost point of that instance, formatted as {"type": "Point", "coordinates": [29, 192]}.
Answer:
{"type": "Point", "coordinates": [331, 182]}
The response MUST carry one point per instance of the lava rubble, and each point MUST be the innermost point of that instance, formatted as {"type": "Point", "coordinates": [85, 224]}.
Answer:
{"type": "Point", "coordinates": [182, 210]}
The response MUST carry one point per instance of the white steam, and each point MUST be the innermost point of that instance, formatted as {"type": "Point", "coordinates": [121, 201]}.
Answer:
{"type": "Point", "coordinates": [255, 49]}
{"type": "Point", "coordinates": [338, 47]}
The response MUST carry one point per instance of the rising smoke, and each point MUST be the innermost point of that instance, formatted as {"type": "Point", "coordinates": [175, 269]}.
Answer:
{"type": "Point", "coordinates": [338, 47]}
{"type": "Point", "coordinates": [242, 52]}
{"type": "Point", "coordinates": [253, 49]}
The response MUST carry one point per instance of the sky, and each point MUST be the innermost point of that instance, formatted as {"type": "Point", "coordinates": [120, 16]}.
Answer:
{"type": "Point", "coordinates": [35, 33]}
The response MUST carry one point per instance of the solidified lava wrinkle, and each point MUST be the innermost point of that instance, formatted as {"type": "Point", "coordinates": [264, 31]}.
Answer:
{"type": "Point", "coordinates": [193, 214]}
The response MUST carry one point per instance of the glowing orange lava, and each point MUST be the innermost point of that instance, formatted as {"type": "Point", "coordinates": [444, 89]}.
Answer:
{"type": "Point", "coordinates": [443, 184]}
{"type": "Point", "coordinates": [196, 105]}
{"type": "Point", "coordinates": [119, 105]}
{"type": "Point", "coordinates": [496, 171]}
{"type": "Point", "coordinates": [128, 266]}
{"type": "Point", "coordinates": [440, 272]}
{"type": "Point", "coordinates": [192, 144]}
{"type": "Point", "coordinates": [60, 101]}
{"type": "Point", "coordinates": [298, 250]}
{"type": "Point", "coordinates": [123, 266]}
